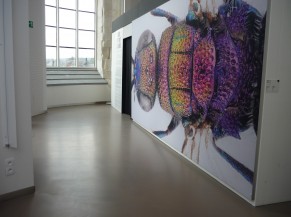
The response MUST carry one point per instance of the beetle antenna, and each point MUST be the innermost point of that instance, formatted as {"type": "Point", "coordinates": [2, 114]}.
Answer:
{"type": "Point", "coordinates": [184, 144]}
{"type": "Point", "coordinates": [161, 13]}
{"type": "Point", "coordinates": [199, 145]}
{"type": "Point", "coordinates": [214, 6]}
{"type": "Point", "coordinates": [207, 7]}
{"type": "Point", "coordinates": [190, 2]}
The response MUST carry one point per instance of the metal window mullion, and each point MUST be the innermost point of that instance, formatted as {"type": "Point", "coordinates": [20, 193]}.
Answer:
{"type": "Point", "coordinates": [69, 9]}
{"type": "Point", "coordinates": [50, 26]}
{"type": "Point", "coordinates": [95, 34]}
{"type": "Point", "coordinates": [58, 35]}
{"type": "Point", "coordinates": [87, 48]}
{"type": "Point", "coordinates": [69, 28]}
{"type": "Point", "coordinates": [77, 33]}
{"type": "Point", "coordinates": [87, 30]}
{"type": "Point", "coordinates": [50, 6]}
{"type": "Point", "coordinates": [89, 12]}
{"type": "Point", "coordinates": [67, 47]}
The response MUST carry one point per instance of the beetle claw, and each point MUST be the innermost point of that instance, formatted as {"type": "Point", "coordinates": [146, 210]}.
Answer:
{"type": "Point", "coordinates": [160, 134]}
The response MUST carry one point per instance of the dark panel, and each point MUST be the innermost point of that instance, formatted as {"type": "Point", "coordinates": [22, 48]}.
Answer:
{"type": "Point", "coordinates": [126, 77]}
{"type": "Point", "coordinates": [129, 4]}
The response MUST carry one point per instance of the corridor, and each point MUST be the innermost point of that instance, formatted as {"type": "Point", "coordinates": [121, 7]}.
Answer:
{"type": "Point", "coordinates": [90, 161]}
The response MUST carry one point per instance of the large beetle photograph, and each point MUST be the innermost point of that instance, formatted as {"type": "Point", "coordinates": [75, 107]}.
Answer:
{"type": "Point", "coordinates": [196, 82]}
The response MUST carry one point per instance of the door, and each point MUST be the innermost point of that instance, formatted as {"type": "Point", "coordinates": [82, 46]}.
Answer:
{"type": "Point", "coordinates": [126, 77]}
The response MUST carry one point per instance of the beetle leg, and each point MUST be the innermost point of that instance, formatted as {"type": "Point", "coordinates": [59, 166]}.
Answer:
{"type": "Point", "coordinates": [161, 13]}
{"type": "Point", "coordinates": [199, 145]}
{"type": "Point", "coordinates": [239, 167]}
{"type": "Point", "coordinates": [188, 135]}
{"type": "Point", "coordinates": [173, 124]}
{"type": "Point", "coordinates": [207, 137]}
{"type": "Point", "coordinates": [193, 143]}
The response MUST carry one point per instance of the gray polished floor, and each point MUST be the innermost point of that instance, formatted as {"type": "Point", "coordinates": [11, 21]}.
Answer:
{"type": "Point", "coordinates": [90, 161]}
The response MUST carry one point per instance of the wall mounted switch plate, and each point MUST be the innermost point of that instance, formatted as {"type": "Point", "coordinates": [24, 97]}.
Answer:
{"type": "Point", "coordinates": [10, 171]}
{"type": "Point", "coordinates": [9, 162]}
{"type": "Point", "coordinates": [272, 86]}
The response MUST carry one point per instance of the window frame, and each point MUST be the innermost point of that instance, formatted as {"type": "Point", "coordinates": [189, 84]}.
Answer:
{"type": "Point", "coordinates": [76, 29]}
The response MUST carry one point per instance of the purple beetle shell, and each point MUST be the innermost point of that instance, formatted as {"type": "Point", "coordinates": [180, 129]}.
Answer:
{"type": "Point", "coordinates": [203, 71]}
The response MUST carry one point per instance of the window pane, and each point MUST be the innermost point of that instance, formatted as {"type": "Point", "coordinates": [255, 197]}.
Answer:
{"type": "Point", "coordinates": [88, 5]}
{"type": "Point", "coordinates": [68, 4]}
{"type": "Point", "coordinates": [51, 57]}
{"type": "Point", "coordinates": [86, 58]}
{"type": "Point", "coordinates": [67, 18]}
{"type": "Point", "coordinates": [51, 2]}
{"type": "Point", "coordinates": [67, 38]}
{"type": "Point", "coordinates": [50, 16]}
{"type": "Point", "coordinates": [51, 36]}
{"type": "Point", "coordinates": [86, 21]}
{"type": "Point", "coordinates": [86, 39]}
{"type": "Point", "coordinates": [67, 57]}
{"type": "Point", "coordinates": [67, 31]}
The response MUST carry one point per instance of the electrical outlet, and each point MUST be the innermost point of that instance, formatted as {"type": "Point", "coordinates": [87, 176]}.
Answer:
{"type": "Point", "coordinates": [9, 162]}
{"type": "Point", "coordinates": [10, 171]}
{"type": "Point", "coordinates": [9, 166]}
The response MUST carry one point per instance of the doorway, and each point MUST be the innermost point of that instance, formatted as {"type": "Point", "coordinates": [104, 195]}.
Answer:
{"type": "Point", "coordinates": [126, 77]}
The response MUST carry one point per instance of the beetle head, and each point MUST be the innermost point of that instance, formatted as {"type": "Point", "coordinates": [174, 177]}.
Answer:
{"type": "Point", "coordinates": [145, 102]}
{"type": "Point", "coordinates": [145, 70]}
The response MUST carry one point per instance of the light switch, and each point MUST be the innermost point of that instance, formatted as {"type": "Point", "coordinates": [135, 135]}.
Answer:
{"type": "Point", "coordinates": [272, 86]}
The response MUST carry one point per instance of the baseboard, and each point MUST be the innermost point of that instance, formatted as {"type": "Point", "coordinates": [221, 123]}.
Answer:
{"type": "Point", "coordinates": [79, 104]}
{"type": "Point", "coordinates": [18, 193]}
{"type": "Point", "coordinates": [39, 113]}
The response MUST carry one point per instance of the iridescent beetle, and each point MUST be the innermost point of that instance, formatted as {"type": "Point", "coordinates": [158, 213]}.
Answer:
{"type": "Point", "coordinates": [145, 67]}
{"type": "Point", "coordinates": [199, 74]}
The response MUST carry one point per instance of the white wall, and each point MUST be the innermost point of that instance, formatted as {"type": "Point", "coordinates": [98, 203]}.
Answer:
{"type": "Point", "coordinates": [116, 69]}
{"type": "Point", "coordinates": [127, 31]}
{"type": "Point", "coordinates": [37, 57]}
{"type": "Point", "coordinates": [274, 162]}
{"type": "Point", "coordinates": [23, 177]}
{"type": "Point", "coordinates": [77, 94]}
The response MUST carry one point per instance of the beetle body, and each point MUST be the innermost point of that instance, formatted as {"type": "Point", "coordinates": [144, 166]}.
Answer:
{"type": "Point", "coordinates": [206, 72]}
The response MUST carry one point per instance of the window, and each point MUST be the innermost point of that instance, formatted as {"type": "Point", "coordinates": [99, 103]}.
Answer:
{"type": "Point", "coordinates": [70, 33]}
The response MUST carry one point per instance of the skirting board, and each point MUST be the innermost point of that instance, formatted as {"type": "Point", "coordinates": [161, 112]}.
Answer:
{"type": "Point", "coordinates": [16, 194]}
{"type": "Point", "coordinates": [80, 104]}
{"type": "Point", "coordinates": [198, 166]}
{"type": "Point", "coordinates": [39, 113]}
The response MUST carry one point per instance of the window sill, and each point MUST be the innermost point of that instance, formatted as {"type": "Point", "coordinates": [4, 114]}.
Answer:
{"type": "Point", "coordinates": [74, 77]}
